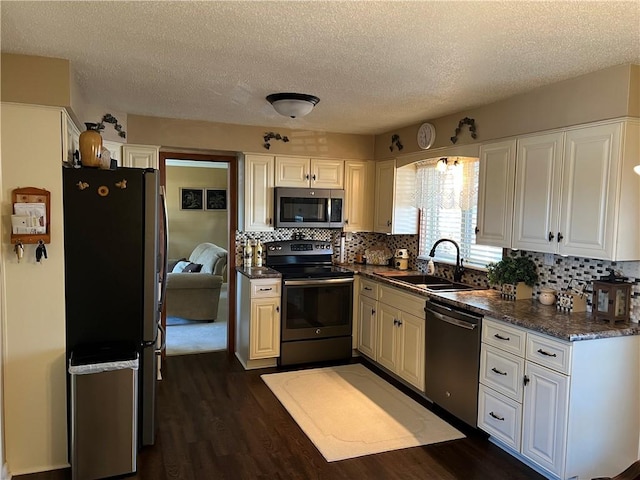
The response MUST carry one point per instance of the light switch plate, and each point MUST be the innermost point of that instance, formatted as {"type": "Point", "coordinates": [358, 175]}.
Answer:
{"type": "Point", "coordinates": [548, 259]}
{"type": "Point", "coordinates": [349, 236]}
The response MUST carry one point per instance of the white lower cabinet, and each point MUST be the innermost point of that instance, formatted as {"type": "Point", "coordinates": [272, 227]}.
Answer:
{"type": "Point", "coordinates": [401, 335]}
{"type": "Point", "coordinates": [568, 409]}
{"type": "Point", "coordinates": [391, 330]}
{"type": "Point", "coordinates": [258, 322]}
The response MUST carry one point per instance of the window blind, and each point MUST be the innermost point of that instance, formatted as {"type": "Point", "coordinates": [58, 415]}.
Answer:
{"type": "Point", "coordinates": [448, 203]}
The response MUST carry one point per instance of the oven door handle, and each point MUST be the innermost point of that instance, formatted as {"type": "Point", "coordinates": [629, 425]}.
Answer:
{"type": "Point", "coordinates": [319, 282]}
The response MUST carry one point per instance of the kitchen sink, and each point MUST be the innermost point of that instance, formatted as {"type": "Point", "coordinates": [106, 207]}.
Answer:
{"type": "Point", "coordinates": [428, 282]}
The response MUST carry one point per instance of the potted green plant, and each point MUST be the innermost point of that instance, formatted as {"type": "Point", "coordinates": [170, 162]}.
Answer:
{"type": "Point", "coordinates": [516, 275]}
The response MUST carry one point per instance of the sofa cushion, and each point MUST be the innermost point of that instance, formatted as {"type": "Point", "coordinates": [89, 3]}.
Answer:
{"type": "Point", "coordinates": [185, 266]}
{"type": "Point", "coordinates": [171, 264]}
{"type": "Point", "coordinates": [192, 268]}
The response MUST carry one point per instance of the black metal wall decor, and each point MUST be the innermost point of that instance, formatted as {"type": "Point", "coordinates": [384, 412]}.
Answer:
{"type": "Point", "coordinates": [270, 136]}
{"type": "Point", "coordinates": [395, 140]}
{"type": "Point", "coordinates": [108, 118]}
{"type": "Point", "coordinates": [472, 128]}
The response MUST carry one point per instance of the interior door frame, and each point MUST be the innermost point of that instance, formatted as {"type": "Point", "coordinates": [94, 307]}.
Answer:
{"type": "Point", "coordinates": [232, 225]}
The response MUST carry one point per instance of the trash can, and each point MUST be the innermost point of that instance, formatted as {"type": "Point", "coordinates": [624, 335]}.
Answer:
{"type": "Point", "coordinates": [104, 411]}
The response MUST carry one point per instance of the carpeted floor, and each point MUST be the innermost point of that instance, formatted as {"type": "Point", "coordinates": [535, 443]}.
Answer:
{"type": "Point", "coordinates": [348, 411]}
{"type": "Point", "coordinates": [186, 336]}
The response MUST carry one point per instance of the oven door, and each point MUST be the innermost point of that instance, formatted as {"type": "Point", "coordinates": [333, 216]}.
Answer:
{"type": "Point", "coordinates": [316, 308]}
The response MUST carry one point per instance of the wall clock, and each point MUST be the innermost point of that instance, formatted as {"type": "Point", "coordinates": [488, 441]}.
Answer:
{"type": "Point", "coordinates": [426, 135]}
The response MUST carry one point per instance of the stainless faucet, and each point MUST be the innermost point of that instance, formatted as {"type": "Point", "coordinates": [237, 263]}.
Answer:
{"type": "Point", "coordinates": [457, 273]}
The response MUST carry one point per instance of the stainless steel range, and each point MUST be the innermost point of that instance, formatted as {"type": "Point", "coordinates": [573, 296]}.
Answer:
{"type": "Point", "coordinates": [317, 302]}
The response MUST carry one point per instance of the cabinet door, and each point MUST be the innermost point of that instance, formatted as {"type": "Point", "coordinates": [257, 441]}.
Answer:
{"type": "Point", "coordinates": [358, 196]}
{"type": "Point", "coordinates": [383, 213]}
{"type": "Point", "coordinates": [292, 172]}
{"type": "Point", "coordinates": [327, 173]}
{"type": "Point", "coordinates": [258, 193]}
{"type": "Point", "coordinates": [544, 423]}
{"type": "Point", "coordinates": [140, 156]}
{"type": "Point", "coordinates": [495, 194]}
{"type": "Point", "coordinates": [367, 326]}
{"type": "Point", "coordinates": [411, 349]}
{"type": "Point", "coordinates": [265, 328]}
{"type": "Point", "coordinates": [589, 185]}
{"type": "Point", "coordinates": [538, 175]}
{"type": "Point", "coordinates": [71, 139]}
{"type": "Point", "coordinates": [115, 150]}
{"type": "Point", "coordinates": [386, 352]}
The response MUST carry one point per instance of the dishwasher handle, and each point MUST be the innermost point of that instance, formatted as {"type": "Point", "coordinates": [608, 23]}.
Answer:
{"type": "Point", "coordinates": [452, 321]}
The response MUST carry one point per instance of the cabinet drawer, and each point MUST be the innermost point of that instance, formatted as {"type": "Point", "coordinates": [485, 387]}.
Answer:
{"type": "Point", "coordinates": [265, 288]}
{"type": "Point", "coordinates": [369, 288]}
{"type": "Point", "coordinates": [405, 302]}
{"type": "Point", "coordinates": [502, 371]}
{"type": "Point", "coordinates": [500, 417]}
{"type": "Point", "coordinates": [503, 336]}
{"type": "Point", "coordinates": [549, 353]}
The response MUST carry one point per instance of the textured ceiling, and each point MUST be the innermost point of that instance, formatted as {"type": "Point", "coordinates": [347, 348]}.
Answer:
{"type": "Point", "coordinates": [376, 65]}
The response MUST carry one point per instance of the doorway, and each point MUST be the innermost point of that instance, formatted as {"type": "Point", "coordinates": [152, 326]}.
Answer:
{"type": "Point", "coordinates": [200, 198]}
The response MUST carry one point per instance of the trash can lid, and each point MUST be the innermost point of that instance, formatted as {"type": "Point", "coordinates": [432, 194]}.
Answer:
{"type": "Point", "coordinates": [91, 353]}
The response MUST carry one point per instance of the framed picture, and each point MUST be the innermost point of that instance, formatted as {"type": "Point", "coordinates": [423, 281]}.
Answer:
{"type": "Point", "coordinates": [216, 199]}
{"type": "Point", "coordinates": [191, 199]}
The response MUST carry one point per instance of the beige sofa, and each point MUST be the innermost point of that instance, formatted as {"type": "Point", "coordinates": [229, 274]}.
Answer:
{"type": "Point", "coordinates": [195, 295]}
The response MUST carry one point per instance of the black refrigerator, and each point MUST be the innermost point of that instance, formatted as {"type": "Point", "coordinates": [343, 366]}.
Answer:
{"type": "Point", "coordinates": [113, 271]}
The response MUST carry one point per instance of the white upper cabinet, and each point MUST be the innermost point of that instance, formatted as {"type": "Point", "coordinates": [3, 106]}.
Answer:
{"type": "Point", "coordinates": [71, 139]}
{"type": "Point", "coordinates": [538, 178]}
{"type": "Point", "coordinates": [395, 210]}
{"type": "Point", "coordinates": [358, 192]}
{"type": "Point", "coordinates": [309, 172]}
{"type": "Point", "coordinates": [258, 193]}
{"type": "Point", "coordinates": [575, 190]}
{"type": "Point", "coordinates": [588, 208]}
{"type": "Point", "coordinates": [140, 156]}
{"type": "Point", "coordinates": [495, 193]}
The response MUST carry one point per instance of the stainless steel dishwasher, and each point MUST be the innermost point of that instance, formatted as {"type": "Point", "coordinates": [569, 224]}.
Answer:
{"type": "Point", "coordinates": [452, 359]}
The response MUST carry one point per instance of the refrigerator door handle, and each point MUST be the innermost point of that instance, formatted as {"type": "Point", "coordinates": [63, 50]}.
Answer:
{"type": "Point", "coordinates": [163, 344]}
{"type": "Point", "coordinates": [165, 239]}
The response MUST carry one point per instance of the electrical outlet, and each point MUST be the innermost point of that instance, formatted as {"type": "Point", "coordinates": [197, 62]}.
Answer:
{"type": "Point", "coordinates": [548, 259]}
{"type": "Point", "coordinates": [349, 236]}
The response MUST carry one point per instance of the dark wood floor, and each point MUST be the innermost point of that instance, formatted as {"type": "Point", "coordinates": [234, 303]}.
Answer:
{"type": "Point", "coordinates": [217, 421]}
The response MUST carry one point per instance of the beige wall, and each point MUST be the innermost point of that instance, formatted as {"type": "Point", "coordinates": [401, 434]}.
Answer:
{"type": "Point", "coordinates": [34, 312]}
{"type": "Point", "coordinates": [222, 137]}
{"type": "Point", "coordinates": [36, 80]}
{"type": "Point", "coordinates": [189, 228]}
{"type": "Point", "coordinates": [599, 95]}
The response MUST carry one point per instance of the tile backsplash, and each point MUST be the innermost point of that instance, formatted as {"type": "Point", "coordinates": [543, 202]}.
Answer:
{"type": "Point", "coordinates": [579, 271]}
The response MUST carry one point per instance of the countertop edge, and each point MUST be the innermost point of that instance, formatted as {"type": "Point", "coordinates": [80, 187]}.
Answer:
{"type": "Point", "coordinates": [563, 326]}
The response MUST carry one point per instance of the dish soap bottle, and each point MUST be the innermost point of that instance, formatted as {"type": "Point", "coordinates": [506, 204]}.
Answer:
{"type": "Point", "coordinates": [248, 254]}
{"type": "Point", "coordinates": [431, 268]}
{"type": "Point", "coordinates": [257, 252]}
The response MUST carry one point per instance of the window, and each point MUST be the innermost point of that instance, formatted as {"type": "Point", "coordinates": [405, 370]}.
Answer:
{"type": "Point", "coordinates": [447, 196]}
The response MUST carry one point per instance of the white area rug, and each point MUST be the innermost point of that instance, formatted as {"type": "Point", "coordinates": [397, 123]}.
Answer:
{"type": "Point", "coordinates": [185, 336]}
{"type": "Point", "coordinates": [348, 411]}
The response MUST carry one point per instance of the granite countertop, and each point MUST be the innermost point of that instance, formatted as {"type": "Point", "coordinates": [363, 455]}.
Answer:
{"type": "Point", "coordinates": [258, 272]}
{"type": "Point", "coordinates": [529, 314]}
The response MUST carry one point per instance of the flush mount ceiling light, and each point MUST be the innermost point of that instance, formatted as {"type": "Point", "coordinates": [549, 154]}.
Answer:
{"type": "Point", "coordinates": [292, 104]}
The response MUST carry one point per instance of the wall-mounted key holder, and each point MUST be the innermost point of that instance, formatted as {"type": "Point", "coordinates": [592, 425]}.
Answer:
{"type": "Point", "coordinates": [31, 213]}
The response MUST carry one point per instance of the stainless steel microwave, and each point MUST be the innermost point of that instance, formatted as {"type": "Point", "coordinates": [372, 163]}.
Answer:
{"type": "Point", "coordinates": [309, 207]}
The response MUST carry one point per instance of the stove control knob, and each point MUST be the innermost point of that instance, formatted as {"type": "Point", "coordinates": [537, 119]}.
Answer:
{"type": "Point", "coordinates": [271, 248]}
{"type": "Point", "coordinates": [318, 331]}
{"type": "Point", "coordinates": [279, 247]}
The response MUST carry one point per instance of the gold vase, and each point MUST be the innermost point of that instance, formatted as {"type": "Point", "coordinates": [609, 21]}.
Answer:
{"type": "Point", "coordinates": [90, 146]}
